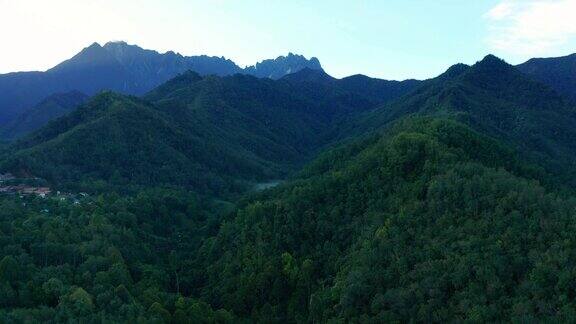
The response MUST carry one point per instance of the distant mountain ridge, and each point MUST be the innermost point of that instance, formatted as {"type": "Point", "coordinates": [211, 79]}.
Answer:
{"type": "Point", "coordinates": [283, 65]}
{"type": "Point", "coordinates": [496, 99]}
{"type": "Point", "coordinates": [211, 134]}
{"type": "Point", "coordinates": [54, 106]}
{"type": "Point", "coordinates": [124, 68]}
{"type": "Point", "coordinates": [557, 72]}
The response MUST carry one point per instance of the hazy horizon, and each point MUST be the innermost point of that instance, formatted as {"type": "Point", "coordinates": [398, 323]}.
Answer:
{"type": "Point", "coordinates": [392, 40]}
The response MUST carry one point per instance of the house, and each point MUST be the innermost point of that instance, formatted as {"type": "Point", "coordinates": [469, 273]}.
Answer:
{"type": "Point", "coordinates": [42, 192]}
{"type": "Point", "coordinates": [7, 176]}
{"type": "Point", "coordinates": [26, 190]}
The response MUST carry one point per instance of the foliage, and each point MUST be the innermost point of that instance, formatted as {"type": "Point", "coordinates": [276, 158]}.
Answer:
{"type": "Point", "coordinates": [430, 223]}
{"type": "Point", "coordinates": [464, 215]}
{"type": "Point", "coordinates": [213, 135]}
{"type": "Point", "coordinates": [107, 258]}
{"type": "Point", "coordinates": [557, 72]}
{"type": "Point", "coordinates": [495, 99]}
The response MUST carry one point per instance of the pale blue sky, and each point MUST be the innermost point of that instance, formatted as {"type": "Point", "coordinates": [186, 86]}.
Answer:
{"type": "Point", "coordinates": [379, 38]}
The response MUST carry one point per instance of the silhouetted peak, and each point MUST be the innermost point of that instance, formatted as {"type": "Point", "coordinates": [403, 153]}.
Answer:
{"type": "Point", "coordinates": [94, 49]}
{"type": "Point", "coordinates": [91, 55]}
{"type": "Point", "coordinates": [454, 71]}
{"type": "Point", "coordinates": [309, 75]}
{"type": "Point", "coordinates": [283, 65]}
{"type": "Point", "coordinates": [357, 77]}
{"type": "Point", "coordinates": [125, 52]}
{"type": "Point", "coordinates": [94, 45]}
{"type": "Point", "coordinates": [116, 43]}
{"type": "Point", "coordinates": [121, 46]}
{"type": "Point", "coordinates": [568, 59]}
{"type": "Point", "coordinates": [491, 61]}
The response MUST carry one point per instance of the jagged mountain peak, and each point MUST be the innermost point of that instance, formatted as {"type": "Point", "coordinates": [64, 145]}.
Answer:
{"type": "Point", "coordinates": [128, 69]}
{"type": "Point", "coordinates": [283, 65]}
{"type": "Point", "coordinates": [92, 55]}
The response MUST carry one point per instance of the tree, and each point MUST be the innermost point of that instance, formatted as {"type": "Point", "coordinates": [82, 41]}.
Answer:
{"type": "Point", "coordinates": [9, 269]}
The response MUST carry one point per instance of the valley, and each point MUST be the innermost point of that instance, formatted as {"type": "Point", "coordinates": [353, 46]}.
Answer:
{"type": "Point", "coordinates": [278, 193]}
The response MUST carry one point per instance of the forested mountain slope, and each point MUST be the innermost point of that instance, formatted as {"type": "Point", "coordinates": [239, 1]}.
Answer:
{"type": "Point", "coordinates": [357, 91]}
{"type": "Point", "coordinates": [54, 106]}
{"type": "Point", "coordinates": [496, 99]}
{"type": "Point", "coordinates": [212, 134]}
{"type": "Point", "coordinates": [557, 72]}
{"type": "Point", "coordinates": [431, 222]}
{"type": "Point", "coordinates": [448, 206]}
{"type": "Point", "coordinates": [126, 141]}
{"type": "Point", "coordinates": [102, 259]}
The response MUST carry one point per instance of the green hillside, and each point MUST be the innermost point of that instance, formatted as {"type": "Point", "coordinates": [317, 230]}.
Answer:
{"type": "Point", "coordinates": [431, 222]}
{"type": "Point", "coordinates": [125, 141]}
{"type": "Point", "coordinates": [102, 259]}
{"type": "Point", "coordinates": [557, 72]}
{"type": "Point", "coordinates": [495, 99]}
{"type": "Point", "coordinates": [213, 135]}
{"type": "Point", "coordinates": [448, 200]}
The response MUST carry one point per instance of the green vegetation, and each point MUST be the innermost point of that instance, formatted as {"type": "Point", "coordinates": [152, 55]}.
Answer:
{"type": "Point", "coordinates": [430, 223]}
{"type": "Point", "coordinates": [106, 258]}
{"type": "Point", "coordinates": [124, 142]}
{"type": "Point", "coordinates": [496, 99]}
{"type": "Point", "coordinates": [557, 72]}
{"type": "Point", "coordinates": [213, 135]}
{"type": "Point", "coordinates": [237, 199]}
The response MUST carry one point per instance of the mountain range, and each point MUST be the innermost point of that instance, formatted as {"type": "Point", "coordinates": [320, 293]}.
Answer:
{"type": "Point", "coordinates": [124, 68]}
{"type": "Point", "coordinates": [230, 131]}
{"type": "Point", "coordinates": [284, 196]}
{"type": "Point", "coordinates": [223, 131]}
{"type": "Point", "coordinates": [54, 106]}
{"type": "Point", "coordinates": [558, 72]}
{"type": "Point", "coordinates": [495, 98]}
{"type": "Point", "coordinates": [439, 194]}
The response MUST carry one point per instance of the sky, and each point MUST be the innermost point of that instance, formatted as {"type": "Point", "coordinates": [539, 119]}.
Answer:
{"type": "Point", "coordinates": [390, 39]}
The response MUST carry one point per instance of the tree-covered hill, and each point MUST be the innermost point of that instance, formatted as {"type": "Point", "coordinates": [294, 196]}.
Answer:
{"type": "Point", "coordinates": [318, 85]}
{"type": "Point", "coordinates": [431, 222]}
{"type": "Point", "coordinates": [126, 141]}
{"type": "Point", "coordinates": [557, 72]}
{"type": "Point", "coordinates": [450, 200]}
{"type": "Point", "coordinates": [427, 221]}
{"type": "Point", "coordinates": [494, 98]}
{"type": "Point", "coordinates": [211, 134]}
{"type": "Point", "coordinates": [102, 259]}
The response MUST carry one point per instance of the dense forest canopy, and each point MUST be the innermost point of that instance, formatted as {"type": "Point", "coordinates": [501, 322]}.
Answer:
{"type": "Point", "coordinates": [495, 98]}
{"type": "Point", "coordinates": [213, 135]}
{"type": "Point", "coordinates": [447, 200]}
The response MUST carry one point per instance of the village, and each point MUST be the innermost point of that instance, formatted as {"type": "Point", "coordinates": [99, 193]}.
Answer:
{"type": "Point", "coordinates": [35, 187]}
{"type": "Point", "coordinates": [9, 184]}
